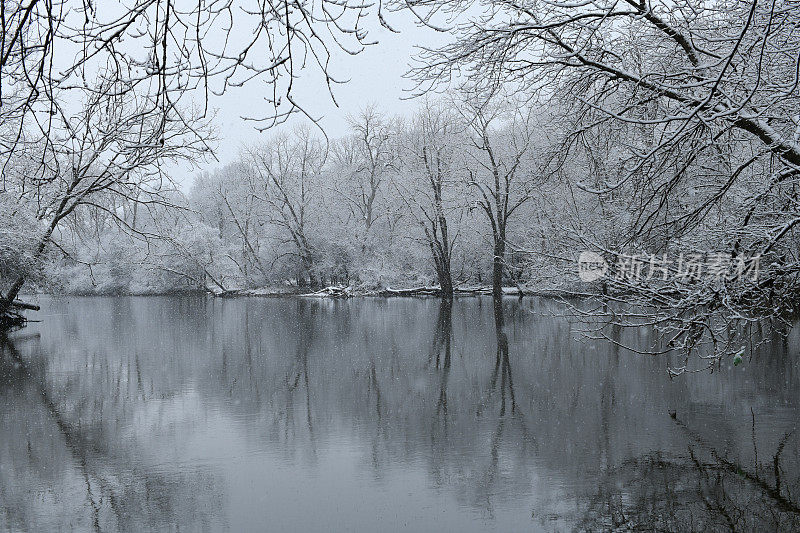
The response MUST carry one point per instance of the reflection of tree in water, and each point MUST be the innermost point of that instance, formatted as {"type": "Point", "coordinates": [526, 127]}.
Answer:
{"type": "Point", "coordinates": [502, 410]}
{"type": "Point", "coordinates": [480, 421]}
{"type": "Point", "coordinates": [502, 365]}
{"type": "Point", "coordinates": [297, 375]}
{"type": "Point", "coordinates": [499, 397]}
{"type": "Point", "coordinates": [68, 452]}
{"type": "Point", "coordinates": [700, 491]}
{"type": "Point", "coordinates": [441, 353]}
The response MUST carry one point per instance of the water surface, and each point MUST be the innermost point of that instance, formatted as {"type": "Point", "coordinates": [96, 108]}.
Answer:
{"type": "Point", "coordinates": [191, 413]}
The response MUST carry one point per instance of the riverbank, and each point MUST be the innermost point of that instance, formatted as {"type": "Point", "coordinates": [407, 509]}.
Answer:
{"type": "Point", "coordinates": [349, 291]}
{"type": "Point", "coordinates": [340, 291]}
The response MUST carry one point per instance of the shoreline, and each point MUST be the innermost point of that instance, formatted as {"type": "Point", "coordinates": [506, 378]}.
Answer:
{"type": "Point", "coordinates": [334, 292]}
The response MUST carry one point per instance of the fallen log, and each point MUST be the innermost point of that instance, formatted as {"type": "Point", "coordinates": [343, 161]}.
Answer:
{"type": "Point", "coordinates": [332, 292]}
{"type": "Point", "coordinates": [414, 291]}
{"type": "Point", "coordinates": [335, 291]}
{"type": "Point", "coordinates": [24, 305]}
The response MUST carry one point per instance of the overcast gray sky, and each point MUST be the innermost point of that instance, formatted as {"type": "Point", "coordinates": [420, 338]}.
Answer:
{"type": "Point", "coordinates": [375, 77]}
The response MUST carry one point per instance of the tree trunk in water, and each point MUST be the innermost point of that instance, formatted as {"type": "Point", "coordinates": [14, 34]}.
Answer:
{"type": "Point", "coordinates": [13, 292]}
{"type": "Point", "coordinates": [499, 323]}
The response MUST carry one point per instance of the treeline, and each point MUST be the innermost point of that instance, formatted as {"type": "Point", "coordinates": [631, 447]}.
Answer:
{"type": "Point", "coordinates": [456, 194]}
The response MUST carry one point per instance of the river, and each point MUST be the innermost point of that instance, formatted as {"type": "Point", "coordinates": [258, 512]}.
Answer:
{"type": "Point", "coordinates": [293, 414]}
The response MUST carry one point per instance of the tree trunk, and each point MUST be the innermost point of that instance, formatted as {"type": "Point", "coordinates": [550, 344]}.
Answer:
{"type": "Point", "coordinates": [62, 211]}
{"type": "Point", "coordinates": [446, 281]}
{"type": "Point", "coordinates": [13, 292]}
{"type": "Point", "coordinates": [308, 266]}
{"type": "Point", "coordinates": [497, 267]}
{"type": "Point", "coordinates": [441, 259]}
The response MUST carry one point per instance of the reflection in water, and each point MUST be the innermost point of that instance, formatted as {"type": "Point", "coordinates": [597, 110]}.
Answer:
{"type": "Point", "coordinates": [58, 470]}
{"type": "Point", "coordinates": [702, 490]}
{"type": "Point", "coordinates": [193, 413]}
